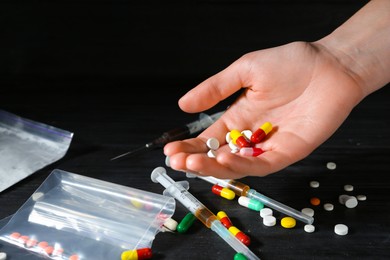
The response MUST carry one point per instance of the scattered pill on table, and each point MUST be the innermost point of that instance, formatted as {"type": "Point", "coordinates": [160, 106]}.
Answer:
{"type": "Point", "coordinates": [240, 256]}
{"type": "Point", "coordinates": [170, 224]}
{"type": "Point", "coordinates": [361, 197]}
{"type": "Point", "coordinates": [309, 228]}
{"type": "Point", "coordinates": [348, 187]}
{"type": "Point", "coordinates": [186, 223]}
{"type": "Point", "coordinates": [223, 192]}
{"type": "Point", "coordinates": [343, 198]}
{"type": "Point", "coordinates": [315, 201]}
{"type": "Point", "coordinates": [341, 229]}
{"type": "Point", "coordinates": [331, 165]}
{"type": "Point", "coordinates": [308, 211]}
{"type": "Point", "coordinates": [328, 206]}
{"type": "Point", "coordinates": [314, 184]}
{"type": "Point", "coordinates": [240, 235]}
{"type": "Point", "coordinates": [351, 202]}
{"type": "Point", "coordinates": [212, 143]}
{"type": "Point", "coordinates": [288, 222]}
{"type": "Point", "coordinates": [269, 221]}
{"type": "Point", "coordinates": [224, 218]}
{"type": "Point", "coordinates": [266, 212]}
{"type": "Point", "coordinates": [249, 203]}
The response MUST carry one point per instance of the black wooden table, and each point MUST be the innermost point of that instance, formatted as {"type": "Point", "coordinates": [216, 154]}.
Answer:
{"type": "Point", "coordinates": [78, 84]}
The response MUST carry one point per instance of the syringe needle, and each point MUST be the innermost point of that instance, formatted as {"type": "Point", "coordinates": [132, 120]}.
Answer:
{"type": "Point", "coordinates": [175, 134]}
{"type": "Point", "coordinates": [177, 190]}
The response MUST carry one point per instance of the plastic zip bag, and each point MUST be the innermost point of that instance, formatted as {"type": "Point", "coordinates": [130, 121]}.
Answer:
{"type": "Point", "coordinates": [88, 218]}
{"type": "Point", "coordinates": [27, 146]}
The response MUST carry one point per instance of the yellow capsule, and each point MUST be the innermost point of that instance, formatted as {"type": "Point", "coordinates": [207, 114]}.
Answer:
{"type": "Point", "coordinates": [288, 222]}
{"type": "Point", "coordinates": [261, 132]}
{"type": "Point", "coordinates": [223, 192]}
{"type": "Point", "coordinates": [239, 139]}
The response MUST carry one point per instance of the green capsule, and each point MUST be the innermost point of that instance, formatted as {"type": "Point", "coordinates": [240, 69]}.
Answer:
{"type": "Point", "coordinates": [240, 256]}
{"type": "Point", "coordinates": [252, 204]}
{"type": "Point", "coordinates": [185, 223]}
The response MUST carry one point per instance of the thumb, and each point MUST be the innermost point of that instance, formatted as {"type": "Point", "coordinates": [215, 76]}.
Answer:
{"type": "Point", "coordinates": [213, 90]}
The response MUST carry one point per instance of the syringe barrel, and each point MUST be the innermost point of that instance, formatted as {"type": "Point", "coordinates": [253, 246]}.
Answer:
{"type": "Point", "coordinates": [253, 194]}
{"type": "Point", "coordinates": [239, 188]}
{"type": "Point", "coordinates": [229, 238]}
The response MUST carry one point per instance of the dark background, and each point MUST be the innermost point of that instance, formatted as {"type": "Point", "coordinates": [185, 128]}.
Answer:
{"type": "Point", "coordinates": [69, 63]}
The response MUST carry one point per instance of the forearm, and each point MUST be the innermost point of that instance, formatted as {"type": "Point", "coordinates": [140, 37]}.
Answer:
{"type": "Point", "coordinates": [362, 45]}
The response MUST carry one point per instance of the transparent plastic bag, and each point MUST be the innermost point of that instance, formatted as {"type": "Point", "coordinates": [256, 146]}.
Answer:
{"type": "Point", "coordinates": [27, 146]}
{"type": "Point", "coordinates": [90, 218]}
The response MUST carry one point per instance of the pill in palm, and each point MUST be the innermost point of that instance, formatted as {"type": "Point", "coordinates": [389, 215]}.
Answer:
{"type": "Point", "coordinates": [251, 151]}
{"type": "Point", "coordinates": [212, 143]}
{"type": "Point", "coordinates": [261, 132]}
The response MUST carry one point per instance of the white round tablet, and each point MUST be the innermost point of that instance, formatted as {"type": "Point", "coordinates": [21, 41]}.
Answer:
{"type": "Point", "coordinates": [247, 134]}
{"type": "Point", "coordinates": [314, 184]}
{"type": "Point", "coordinates": [328, 206]}
{"type": "Point", "coordinates": [331, 165]}
{"type": "Point", "coordinates": [269, 221]}
{"type": "Point", "coordinates": [351, 202]}
{"type": "Point", "coordinates": [309, 228]}
{"type": "Point", "coordinates": [212, 153]}
{"type": "Point", "coordinates": [212, 143]}
{"type": "Point", "coordinates": [232, 146]}
{"type": "Point", "coordinates": [341, 229]}
{"type": "Point", "coordinates": [361, 197]}
{"type": "Point", "coordinates": [348, 187]}
{"type": "Point", "coordinates": [228, 138]}
{"type": "Point", "coordinates": [266, 212]}
{"type": "Point", "coordinates": [343, 198]}
{"type": "Point", "coordinates": [308, 211]}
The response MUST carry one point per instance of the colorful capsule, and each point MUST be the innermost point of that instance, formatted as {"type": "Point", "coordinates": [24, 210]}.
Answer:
{"type": "Point", "coordinates": [223, 192]}
{"type": "Point", "coordinates": [225, 220]}
{"type": "Point", "coordinates": [137, 254]}
{"type": "Point", "coordinates": [240, 235]}
{"type": "Point", "coordinates": [261, 132]}
{"type": "Point", "coordinates": [239, 139]}
{"type": "Point", "coordinates": [252, 204]}
{"type": "Point", "coordinates": [185, 223]}
{"type": "Point", "coordinates": [240, 256]}
{"type": "Point", "coordinates": [251, 151]}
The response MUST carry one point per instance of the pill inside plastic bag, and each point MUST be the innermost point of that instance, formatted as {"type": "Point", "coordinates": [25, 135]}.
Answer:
{"type": "Point", "coordinates": [27, 146]}
{"type": "Point", "coordinates": [90, 218]}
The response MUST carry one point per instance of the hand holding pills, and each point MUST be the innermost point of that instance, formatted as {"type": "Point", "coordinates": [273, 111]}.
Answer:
{"type": "Point", "coordinates": [306, 89]}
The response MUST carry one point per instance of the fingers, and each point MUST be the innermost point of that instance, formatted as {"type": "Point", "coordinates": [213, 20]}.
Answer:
{"type": "Point", "coordinates": [213, 90]}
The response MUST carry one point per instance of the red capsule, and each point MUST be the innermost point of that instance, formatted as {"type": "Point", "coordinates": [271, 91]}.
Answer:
{"type": "Point", "coordinates": [239, 139]}
{"type": "Point", "coordinates": [240, 235]}
{"type": "Point", "coordinates": [225, 220]}
{"type": "Point", "coordinates": [261, 132]}
{"type": "Point", "coordinates": [223, 192]}
{"type": "Point", "coordinates": [251, 151]}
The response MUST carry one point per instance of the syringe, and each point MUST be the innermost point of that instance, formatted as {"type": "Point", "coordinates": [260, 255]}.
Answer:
{"type": "Point", "coordinates": [241, 189]}
{"type": "Point", "coordinates": [176, 134]}
{"type": "Point", "coordinates": [177, 190]}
